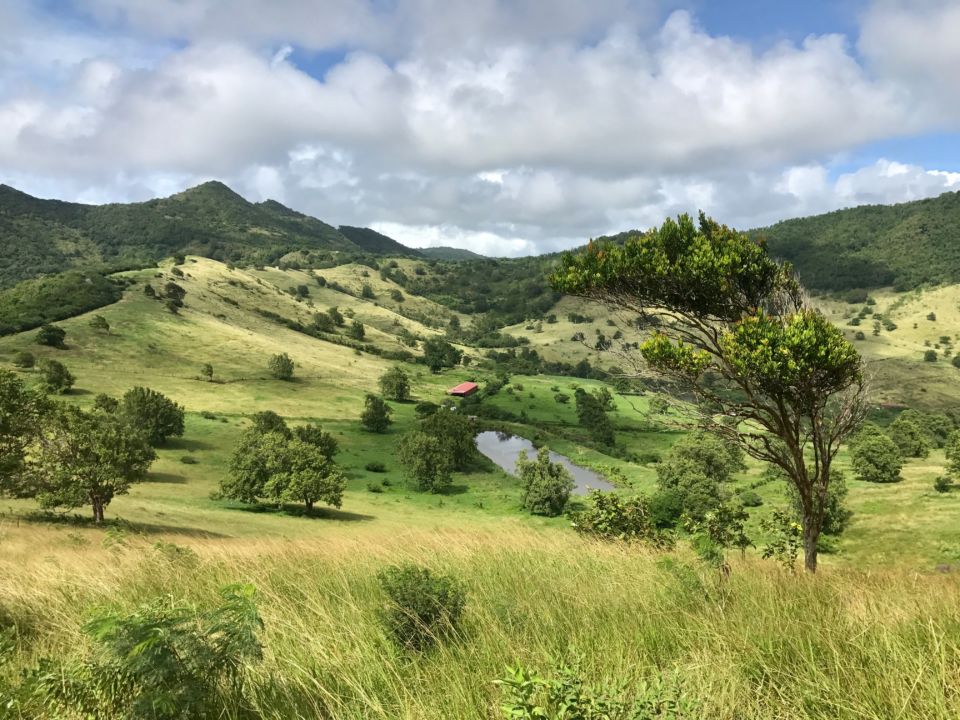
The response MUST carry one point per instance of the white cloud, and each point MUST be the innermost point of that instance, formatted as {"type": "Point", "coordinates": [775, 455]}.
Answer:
{"type": "Point", "coordinates": [479, 124]}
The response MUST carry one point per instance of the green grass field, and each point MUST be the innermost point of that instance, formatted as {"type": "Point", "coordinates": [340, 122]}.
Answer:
{"type": "Point", "coordinates": [746, 648]}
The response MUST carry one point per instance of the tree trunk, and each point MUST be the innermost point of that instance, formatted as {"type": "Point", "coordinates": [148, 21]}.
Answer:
{"type": "Point", "coordinates": [97, 510]}
{"type": "Point", "coordinates": [811, 535]}
{"type": "Point", "coordinates": [309, 504]}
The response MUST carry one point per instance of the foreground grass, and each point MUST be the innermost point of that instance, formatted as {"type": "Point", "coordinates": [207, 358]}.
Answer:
{"type": "Point", "coordinates": [764, 644]}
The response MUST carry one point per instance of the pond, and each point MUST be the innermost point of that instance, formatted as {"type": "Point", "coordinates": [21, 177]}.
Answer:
{"type": "Point", "coordinates": [504, 449]}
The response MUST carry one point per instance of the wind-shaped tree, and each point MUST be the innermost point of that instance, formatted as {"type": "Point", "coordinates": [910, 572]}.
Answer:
{"type": "Point", "coordinates": [733, 330]}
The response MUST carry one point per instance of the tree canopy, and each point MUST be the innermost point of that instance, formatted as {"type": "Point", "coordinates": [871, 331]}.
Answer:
{"type": "Point", "coordinates": [732, 329]}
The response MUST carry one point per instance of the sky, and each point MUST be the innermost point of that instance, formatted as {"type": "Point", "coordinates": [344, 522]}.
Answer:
{"type": "Point", "coordinates": [506, 127]}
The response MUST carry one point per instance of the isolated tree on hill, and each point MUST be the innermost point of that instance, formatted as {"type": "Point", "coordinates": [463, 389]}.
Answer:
{"type": "Point", "coordinates": [456, 433]}
{"type": "Point", "coordinates": [876, 458]}
{"type": "Point", "coordinates": [24, 360]}
{"type": "Point", "coordinates": [149, 291]}
{"type": "Point", "coordinates": [734, 332]}
{"type": "Point", "coordinates": [322, 322]}
{"type": "Point", "coordinates": [206, 370]}
{"type": "Point", "coordinates": [87, 459]}
{"type": "Point", "coordinates": [546, 485]}
{"type": "Point", "coordinates": [357, 331]}
{"type": "Point", "coordinates": [51, 336]}
{"type": "Point", "coordinates": [99, 322]}
{"type": "Point", "coordinates": [54, 377]}
{"type": "Point", "coordinates": [395, 384]}
{"type": "Point", "coordinates": [426, 462]}
{"type": "Point", "coordinates": [152, 413]}
{"type": "Point", "coordinates": [281, 366]}
{"type": "Point", "coordinates": [592, 417]}
{"type": "Point", "coordinates": [438, 354]}
{"type": "Point", "coordinates": [909, 437]}
{"type": "Point", "coordinates": [173, 293]}
{"type": "Point", "coordinates": [376, 414]}
{"type": "Point", "coordinates": [336, 316]}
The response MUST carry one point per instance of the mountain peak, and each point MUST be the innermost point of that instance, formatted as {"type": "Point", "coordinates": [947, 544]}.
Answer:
{"type": "Point", "coordinates": [212, 189]}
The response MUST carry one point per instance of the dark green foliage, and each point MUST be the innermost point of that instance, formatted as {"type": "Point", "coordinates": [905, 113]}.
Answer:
{"type": "Point", "coordinates": [943, 484]}
{"type": "Point", "coordinates": [280, 468]}
{"type": "Point", "coordinates": [859, 335]}
{"type": "Point", "coordinates": [426, 461]}
{"type": "Point", "coordinates": [546, 485]}
{"type": "Point", "coordinates": [319, 438]}
{"type": "Point", "coordinates": [566, 695]}
{"type": "Point", "coordinates": [956, 361]}
{"type": "Point", "coordinates": [866, 246]}
{"type": "Point", "coordinates": [163, 661]}
{"type": "Point", "coordinates": [456, 433]}
{"type": "Point", "coordinates": [374, 242]}
{"type": "Point", "coordinates": [750, 498]}
{"type": "Point", "coordinates": [937, 427]}
{"type": "Point", "coordinates": [149, 291]}
{"type": "Point", "coordinates": [267, 421]}
{"type": "Point", "coordinates": [357, 331]}
{"type": "Point", "coordinates": [612, 517]}
{"type": "Point", "coordinates": [423, 607]}
{"type": "Point", "coordinates": [367, 292]}
{"type": "Point", "coordinates": [322, 322]}
{"type": "Point", "coordinates": [21, 415]}
{"type": "Point", "coordinates": [876, 458]}
{"type": "Point", "coordinates": [425, 408]}
{"type": "Point", "coordinates": [43, 300]}
{"type": "Point", "coordinates": [377, 467]}
{"type": "Point", "coordinates": [87, 459]}
{"type": "Point", "coordinates": [592, 417]}
{"type": "Point", "coordinates": [24, 360]}
{"type": "Point", "coordinates": [174, 294]}
{"type": "Point", "coordinates": [376, 414]}
{"type": "Point", "coordinates": [561, 398]}
{"type": "Point", "coordinates": [439, 354]}
{"type": "Point", "coordinates": [930, 356]}
{"type": "Point", "coordinates": [281, 367]}
{"type": "Point", "coordinates": [337, 317]}
{"type": "Point", "coordinates": [54, 377]}
{"type": "Point", "coordinates": [104, 403]}
{"type": "Point", "coordinates": [99, 323]}
{"type": "Point", "coordinates": [909, 437]}
{"type": "Point", "coordinates": [152, 413]}
{"type": "Point", "coordinates": [395, 384]}
{"type": "Point", "coordinates": [206, 371]}
{"type": "Point", "coordinates": [52, 336]}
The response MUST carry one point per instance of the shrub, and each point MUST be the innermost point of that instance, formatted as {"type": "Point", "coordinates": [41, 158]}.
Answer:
{"type": "Point", "coordinates": [54, 377]}
{"type": "Point", "coordinates": [153, 413]}
{"type": "Point", "coordinates": [26, 360]}
{"type": "Point", "coordinates": [423, 607]}
{"type": "Point", "coordinates": [956, 361]}
{"type": "Point", "coordinates": [565, 695]}
{"type": "Point", "coordinates": [930, 356]}
{"type": "Point", "coordinates": [425, 409]}
{"type": "Point", "coordinates": [875, 458]}
{"type": "Point", "coordinates": [612, 517]}
{"type": "Point", "coordinates": [281, 366]}
{"type": "Point", "coordinates": [943, 484]}
{"type": "Point", "coordinates": [51, 336]}
{"type": "Point", "coordinates": [374, 487]}
{"type": "Point", "coordinates": [750, 498]}
{"type": "Point", "coordinates": [546, 485]}
{"type": "Point", "coordinates": [561, 398]}
{"type": "Point", "coordinates": [377, 467]}
{"type": "Point", "coordinates": [395, 384]}
{"type": "Point", "coordinates": [164, 661]}
{"type": "Point", "coordinates": [188, 460]}
{"type": "Point", "coordinates": [376, 414]}
{"type": "Point", "coordinates": [932, 316]}
{"type": "Point", "coordinates": [909, 437]}
{"type": "Point", "coordinates": [859, 335]}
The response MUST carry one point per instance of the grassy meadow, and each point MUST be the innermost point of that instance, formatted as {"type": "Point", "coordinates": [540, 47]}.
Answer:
{"type": "Point", "coordinates": [749, 646]}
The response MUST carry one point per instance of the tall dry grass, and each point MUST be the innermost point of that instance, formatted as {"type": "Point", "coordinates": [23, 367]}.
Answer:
{"type": "Point", "coordinates": [762, 644]}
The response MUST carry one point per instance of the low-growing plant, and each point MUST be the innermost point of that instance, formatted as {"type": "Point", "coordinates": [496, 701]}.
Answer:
{"type": "Point", "coordinates": [943, 484]}
{"type": "Point", "coordinates": [377, 467]}
{"type": "Point", "coordinates": [612, 517]}
{"type": "Point", "coordinates": [423, 607]}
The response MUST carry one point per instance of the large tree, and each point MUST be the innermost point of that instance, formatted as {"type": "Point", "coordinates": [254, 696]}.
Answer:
{"type": "Point", "coordinates": [86, 458]}
{"type": "Point", "coordinates": [152, 413]}
{"type": "Point", "coordinates": [733, 330]}
{"type": "Point", "coordinates": [21, 413]}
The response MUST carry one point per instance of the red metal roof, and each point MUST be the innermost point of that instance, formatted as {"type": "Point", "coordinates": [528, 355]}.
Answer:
{"type": "Point", "coordinates": [463, 388]}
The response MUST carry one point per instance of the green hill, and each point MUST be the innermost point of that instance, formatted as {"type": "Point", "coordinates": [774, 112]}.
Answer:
{"type": "Point", "coordinates": [47, 236]}
{"type": "Point", "coordinates": [450, 253]}
{"type": "Point", "coordinates": [903, 245]}
{"type": "Point", "coordinates": [374, 242]}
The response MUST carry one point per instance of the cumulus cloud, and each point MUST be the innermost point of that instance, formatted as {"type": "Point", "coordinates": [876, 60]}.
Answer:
{"type": "Point", "coordinates": [478, 123]}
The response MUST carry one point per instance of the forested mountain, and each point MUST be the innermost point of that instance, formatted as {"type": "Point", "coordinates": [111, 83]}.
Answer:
{"type": "Point", "coordinates": [47, 236]}
{"type": "Point", "coordinates": [450, 253]}
{"type": "Point", "coordinates": [903, 245]}
{"type": "Point", "coordinates": [374, 242]}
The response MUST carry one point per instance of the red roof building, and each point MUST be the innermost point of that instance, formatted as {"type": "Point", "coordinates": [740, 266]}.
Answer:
{"type": "Point", "coordinates": [464, 389]}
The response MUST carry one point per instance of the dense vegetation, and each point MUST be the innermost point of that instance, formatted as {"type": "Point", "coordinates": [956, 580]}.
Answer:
{"type": "Point", "coordinates": [903, 245]}
{"type": "Point", "coordinates": [32, 303]}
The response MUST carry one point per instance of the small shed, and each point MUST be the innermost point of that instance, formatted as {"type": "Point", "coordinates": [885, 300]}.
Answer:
{"type": "Point", "coordinates": [464, 389]}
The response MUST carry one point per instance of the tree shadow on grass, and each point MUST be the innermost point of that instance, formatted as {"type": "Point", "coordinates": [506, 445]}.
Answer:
{"type": "Point", "coordinates": [454, 490]}
{"type": "Point", "coordinates": [188, 444]}
{"type": "Point", "coordinates": [40, 517]}
{"type": "Point", "coordinates": [318, 513]}
{"type": "Point", "coordinates": [165, 478]}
